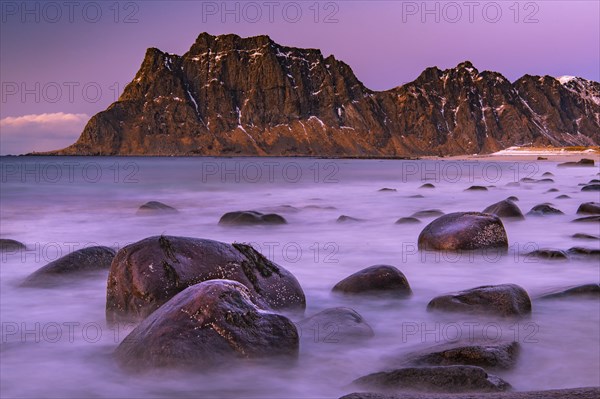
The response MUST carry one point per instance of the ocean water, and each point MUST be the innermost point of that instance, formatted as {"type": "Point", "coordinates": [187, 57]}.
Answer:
{"type": "Point", "coordinates": [55, 342]}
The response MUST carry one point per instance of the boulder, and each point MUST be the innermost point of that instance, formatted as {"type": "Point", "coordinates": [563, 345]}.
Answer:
{"type": "Point", "coordinates": [591, 208]}
{"type": "Point", "coordinates": [387, 190]}
{"type": "Point", "coordinates": [408, 220]}
{"type": "Point", "coordinates": [569, 393]}
{"type": "Point", "coordinates": [548, 174]}
{"type": "Point", "coordinates": [7, 245]}
{"type": "Point", "coordinates": [501, 300]}
{"type": "Point", "coordinates": [447, 379]}
{"type": "Point", "coordinates": [586, 290]}
{"type": "Point", "coordinates": [552, 190]}
{"type": "Point", "coordinates": [207, 325]}
{"type": "Point", "coordinates": [563, 196]}
{"type": "Point", "coordinates": [512, 198]}
{"type": "Point", "coordinates": [429, 213]}
{"type": "Point", "coordinates": [505, 209]}
{"type": "Point", "coordinates": [335, 325]}
{"type": "Point", "coordinates": [581, 162]}
{"type": "Point", "coordinates": [587, 219]}
{"type": "Point", "coordinates": [416, 196]}
{"type": "Point", "coordinates": [427, 185]}
{"type": "Point", "coordinates": [548, 253]}
{"type": "Point", "coordinates": [70, 266]}
{"type": "Point", "coordinates": [148, 273]}
{"type": "Point", "coordinates": [476, 188]}
{"type": "Point", "coordinates": [584, 236]}
{"type": "Point", "coordinates": [378, 279]}
{"type": "Point", "coordinates": [582, 251]}
{"type": "Point", "coordinates": [544, 209]}
{"type": "Point", "coordinates": [591, 187]}
{"type": "Point", "coordinates": [155, 208]}
{"type": "Point", "coordinates": [348, 219]}
{"type": "Point", "coordinates": [464, 231]}
{"type": "Point", "coordinates": [244, 218]}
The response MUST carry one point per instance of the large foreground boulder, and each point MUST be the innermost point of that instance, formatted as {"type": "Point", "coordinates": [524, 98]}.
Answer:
{"type": "Point", "coordinates": [335, 326]}
{"type": "Point", "coordinates": [378, 279]}
{"type": "Point", "coordinates": [464, 231]}
{"type": "Point", "coordinates": [208, 325]}
{"type": "Point", "coordinates": [448, 379]}
{"type": "Point", "coordinates": [146, 274]}
{"type": "Point", "coordinates": [505, 209]}
{"type": "Point", "coordinates": [67, 268]}
{"type": "Point", "coordinates": [500, 300]}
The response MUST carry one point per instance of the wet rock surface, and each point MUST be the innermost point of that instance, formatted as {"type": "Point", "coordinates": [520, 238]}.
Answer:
{"type": "Point", "coordinates": [544, 209]}
{"type": "Point", "coordinates": [591, 208]}
{"type": "Point", "coordinates": [247, 218]}
{"type": "Point", "coordinates": [378, 279]}
{"type": "Point", "coordinates": [505, 209]}
{"type": "Point", "coordinates": [8, 245]}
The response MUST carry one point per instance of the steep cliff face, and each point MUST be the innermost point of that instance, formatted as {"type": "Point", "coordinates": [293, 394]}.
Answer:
{"type": "Point", "coordinates": [250, 96]}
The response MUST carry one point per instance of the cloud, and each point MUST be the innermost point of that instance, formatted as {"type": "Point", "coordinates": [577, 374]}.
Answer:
{"type": "Point", "coordinates": [40, 132]}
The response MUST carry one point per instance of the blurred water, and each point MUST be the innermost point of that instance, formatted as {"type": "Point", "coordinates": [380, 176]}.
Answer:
{"type": "Point", "coordinates": [55, 205]}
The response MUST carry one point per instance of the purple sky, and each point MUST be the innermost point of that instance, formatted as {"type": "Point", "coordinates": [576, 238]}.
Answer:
{"type": "Point", "coordinates": [72, 67]}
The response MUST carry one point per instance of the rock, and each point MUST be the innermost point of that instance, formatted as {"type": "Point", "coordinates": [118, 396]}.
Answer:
{"type": "Point", "coordinates": [207, 325]}
{"type": "Point", "coordinates": [563, 196]}
{"type": "Point", "coordinates": [594, 181]}
{"type": "Point", "coordinates": [429, 213]}
{"type": "Point", "coordinates": [74, 264]}
{"type": "Point", "coordinates": [493, 356]}
{"type": "Point", "coordinates": [155, 207]}
{"type": "Point", "coordinates": [319, 207]}
{"type": "Point", "coordinates": [427, 185]}
{"type": "Point", "coordinates": [542, 158]}
{"type": "Point", "coordinates": [378, 279]}
{"type": "Point", "coordinates": [544, 209]}
{"type": "Point", "coordinates": [528, 180]}
{"type": "Point", "coordinates": [335, 325]}
{"type": "Point", "coordinates": [570, 393]}
{"type": "Point", "coordinates": [586, 290]}
{"type": "Point", "coordinates": [242, 218]}
{"type": "Point", "coordinates": [348, 219]}
{"type": "Point", "coordinates": [591, 187]}
{"type": "Point", "coordinates": [476, 188]}
{"type": "Point", "coordinates": [592, 208]}
{"type": "Point", "coordinates": [7, 245]}
{"type": "Point", "coordinates": [581, 162]}
{"type": "Point", "coordinates": [512, 198]}
{"type": "Point", "coordinates": [501, 300]}
{"type": "Point", "coordinates": [581, 251]}
{"type": "Point", "coordinates": [546, 253]}
{"type": "Point", "coordinates": [387, 190]}
{"type": "Point", "coordinates": [416, 196]}
{"type": "Point", "coordinates": [448, 379]}
{"type": "Point", "coordinates": [547, 174]}
{"type": "Point", "coordinates": [408, 220]}
{"type": "Point", "coordinates": [505, 209]}
{"type": "Point", "coordinates": [148, 273]}
{"type": "Point", "coordinates": [464, 231]}
{"type": "Point", "coordinates": [544, 181]}
{"type": "Point", "coordinates": [552, 190]}
{"type": "Point", "coordinates": [583, 236]}
{"type": "Point", "coordinates": [587, 219]}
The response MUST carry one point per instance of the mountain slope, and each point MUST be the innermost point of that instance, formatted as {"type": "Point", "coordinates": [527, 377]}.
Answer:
{"type": "Point", "coordinates": [251, 96]}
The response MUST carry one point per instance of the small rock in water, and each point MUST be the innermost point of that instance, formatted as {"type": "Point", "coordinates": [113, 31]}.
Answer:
{"type": "Point", "coordinates": [500, 300]}
{"type": "Point", "coordinates": [378, 279]}
{"type": "Point", "coordinates": [544, 209]}
{"type": "Point", "coordinates": [154, 208]}
{"type": "Point", "coordinates": [584, 236]}
{"type": "Point", "coordinates": [581, 162]}
{"type": "Point", "coordinates": [563, 196]}
{"type": "Point", "coordinates": [592, 208]}
{"type": "Point", "coordinates": [547, 174]}
{"type": "Point", "coordinates": [427, 185]}
{"type": "Point", "coordinates": [348, 219]}
{"type": "Point", "coordinates": [7, 245]}
{"type": "Point", "coordinates": [591, 187]}
{"type": "Point", "coordinates": [408, 220]}
{"type": "Point", "coordinates": [545, 253]}
{"type": "Point", "coordinates": [582, 251]}
{"type": "Point", "coordinates": [587, 219]}
{"type": "Point", "coordinates": [476, 188]}
{"type": "Point", "coordinates": [416, 196]}
{"type": "Point", "coordinates": [429, 213]}
{"type": "Point", "coordinates": [586, 290]}
{"type": "Point", "coordinates": [244, 218]}
{"type": "Point", "coordinates": [386, 189]}
{"type": "Point", "coordinates": [334, 326]}
{"type": "Point", "coordinates": [552, 190]}
{"type": "Point", "coordinates": [505, 209]}
{"type": "Point", "coordinates": [447, 379]}
{"type": "Point", "coordinates": [512, 198]}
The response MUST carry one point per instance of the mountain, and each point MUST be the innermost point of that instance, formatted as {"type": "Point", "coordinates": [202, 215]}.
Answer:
{"type": "Point", "coordinates": [251, 96]}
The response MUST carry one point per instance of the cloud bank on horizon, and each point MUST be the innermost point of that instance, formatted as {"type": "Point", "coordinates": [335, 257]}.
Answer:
{"type": "Point", "coordinates": [80, 55]}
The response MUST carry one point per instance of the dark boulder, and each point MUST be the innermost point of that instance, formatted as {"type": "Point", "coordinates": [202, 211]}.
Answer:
{"type": "Point", "coordinates": [563, 196]}
{"type": "Point", "coordinates": [408, 220]}
{"type": "Point", "coordinates": [494, 356]}
{"type": "Point", "coordinates": [584, 236]}
{"type": "Point", "coordinates": [585, 291]}
{"type": "Point", "coordinates": [448, 379]}
{"type": "Point", "coordinates": [148, 273]}
{"type": "Point", "coordinates": [348, 219]}
{"type": "Point", "coordinates": [582, 251]}
{"type": "Point", "coordinates": [70, 266]}
{"type": "Point", "coordinates": [427, 185]}
{"type": "Point", "coordinates": [591, 187]}
{"type": "Point", "coordinates": [464, 231]}
{"type": "Point", "coordinates": [7, 245]}
{"type": "Point", "coordinates": [505, 209]}
{"type": "Point", "coordinates": [512, 198]}
{"type": "Point", "coordinates": [207, 325]}
{"type": "Point", "coordinates": [244, 218]}
{"type": "Point", "coordinates": [501, 300]}
{"type": "Point", "coordinates": [587, 219]}
{"type": "Point", "coordinates": [544, 209]}
{"type": "Point", "coordinates": [429, 213]}
{"type": "Point", "coordinates": [547, 253]}
{"type": "Point", "coordinates": [378, 279]}
{"type": "Point", "coordinates": [549, 174]}
{"type": "Point", "coordinates": [333, 326]}
{"type": "Point", "coordinates": [476, 188]}
{"type": "Point", "coordinates": [552, 190]}
{"type": "Point", "coordinates": [547, 180]}
{"type": "Point", "coordinates": [581, 162]}
{"type": "Point", "coordinates": [387, 190]}
{"type": "Point", "coordinates": [591, 208]}
{"type": "Point", "coordinates": [155, 208]}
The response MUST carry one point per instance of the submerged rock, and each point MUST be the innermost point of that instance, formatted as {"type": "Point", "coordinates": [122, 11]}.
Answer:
{"type": "Point", "coordinates": [464, 231]}
{"type": "Point", "coordinates": [505, 209]}
{"type": "Point", "coordinates": [241, 218]}
{"type": "Point", "coordinates": [7, 245]}
{"type": "Point", "coordinates": [591, 187]}
{"type": "Point", "coordinates": [378, 279]}
{"type": "Point", "coordinates": [584, 236]}
{"type": "Point", "coordinates": [146, 274]}
{"type": "Point", "coordinates": [512, 198]}
{"type": "Point", "coordinates": [581, 251]}
{"type": "Point", "coordinates": [154, 208]}
{"type": "Point", "coordinates": [591, 208]}
{"type": "Point", "coordinates": [563, 196]}
{"type": "Point", "coordinates": [448, 379]}
{"type": "Point", "coordinates": [408, 220]}
{"type": "Point", "coordinates": [544, 209]}
{"type": "Point", "coordinates": [581, 162]}
{"type": "Point", "coordinates": [335, 326]}
{"type": "Point", "coordinates": [348, 219]}
{"type": "Point", "coordinates": [387, 190]}
{"type": "Point", "coordinates": [587, 219]}
{"type": "Point", "coordinates": [427, 185]}
{"type": "Point", "coordinates": [547, 253]}
{"type": "Point", "coordinates": [70, 266]}
{"type": "Point", "coordinates": [429, 213]}
{"type": "Point", "coordinates": [586, 291]}
{"type": "Point", "coordinates": [501, 300]}
{"type": "Point", "coordinates": [207, 325]}
{"type": "Point", "coordinates": [477, 188]}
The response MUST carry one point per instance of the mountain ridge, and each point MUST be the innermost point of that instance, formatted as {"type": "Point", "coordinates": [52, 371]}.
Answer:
{"type": "Point", "coordinates": [229, 95]}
